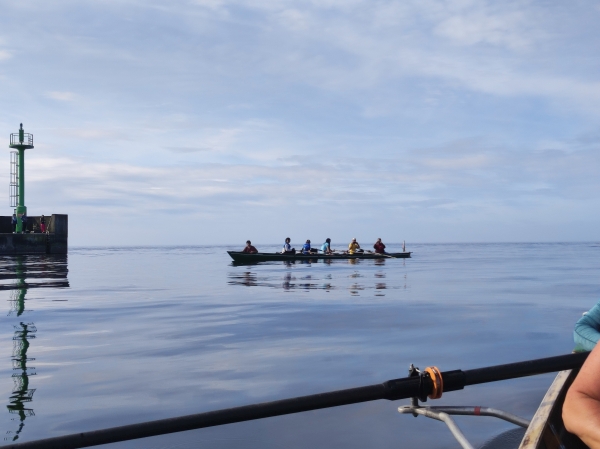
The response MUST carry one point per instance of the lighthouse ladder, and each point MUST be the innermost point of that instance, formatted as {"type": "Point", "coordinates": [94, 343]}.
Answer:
{"type": "Point", "coordinates": [14, 179]}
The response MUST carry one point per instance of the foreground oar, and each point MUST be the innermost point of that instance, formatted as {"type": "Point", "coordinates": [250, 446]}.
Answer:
{"type": "Point", "coordinates": [392, 390]}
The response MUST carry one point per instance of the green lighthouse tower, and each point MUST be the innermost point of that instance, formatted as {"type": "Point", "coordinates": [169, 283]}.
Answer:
{"type": "Point", "coordinates": [20, 141]}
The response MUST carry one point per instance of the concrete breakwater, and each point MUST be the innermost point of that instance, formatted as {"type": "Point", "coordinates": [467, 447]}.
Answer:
{"type": "Point", "coordinates": [33, 241]}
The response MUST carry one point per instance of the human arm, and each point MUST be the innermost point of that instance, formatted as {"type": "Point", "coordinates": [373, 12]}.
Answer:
{"type": "Point", "coordinates": [581, 409]}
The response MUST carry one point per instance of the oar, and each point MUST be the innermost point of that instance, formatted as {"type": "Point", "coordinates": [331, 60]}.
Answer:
{"type": "Point", "coordinates": [392, 390]}
{"type": "Point", "coordinates": [380, 254]}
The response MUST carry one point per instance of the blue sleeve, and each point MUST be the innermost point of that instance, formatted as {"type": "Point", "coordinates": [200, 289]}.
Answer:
{"type": "Point", "coordinates": [587, 329]}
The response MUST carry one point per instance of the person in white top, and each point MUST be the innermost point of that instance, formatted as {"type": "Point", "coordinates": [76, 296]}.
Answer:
{"type": "Point", "coordinates": [287, 248]}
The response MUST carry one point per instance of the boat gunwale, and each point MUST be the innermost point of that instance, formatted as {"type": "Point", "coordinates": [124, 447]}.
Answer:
{"type": "Point", "coordinates": [543, 425]}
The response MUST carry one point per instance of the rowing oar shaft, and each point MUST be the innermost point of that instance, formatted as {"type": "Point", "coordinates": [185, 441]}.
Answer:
{"type": "Point", "coordinates": [389, 390]}
{"type": "Point", "coordinates": [523, 369]}
{"type": "Point", "coordinates": [392, 390]}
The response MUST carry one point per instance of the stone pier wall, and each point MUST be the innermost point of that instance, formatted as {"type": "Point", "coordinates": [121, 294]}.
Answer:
{"type": "Point", "coordinates": [33, 241]}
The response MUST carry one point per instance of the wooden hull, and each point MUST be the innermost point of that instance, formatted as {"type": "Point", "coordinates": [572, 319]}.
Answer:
{"type": "Point", "coordinates": [239, 256]}
{"type": "Point", "coordinates": [547, 430]}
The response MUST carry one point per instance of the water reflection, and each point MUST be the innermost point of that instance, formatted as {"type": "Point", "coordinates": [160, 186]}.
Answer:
{"type": "Point", "coordinates": [344, 275]}
{"type": "Point", "coordinates": [23, 273]}
{"type": "Point", "coordinates": [287, 282]}
{"type": "Point", "coordinates": [33, 272]}
{"type": "Point", "coordinates": [21, 394]}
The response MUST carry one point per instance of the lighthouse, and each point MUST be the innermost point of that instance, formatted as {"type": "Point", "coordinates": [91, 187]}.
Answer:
{"type": "Point", "coordinates": [20, 141]}
{"type": "Point", "coordinates": [45, 234]}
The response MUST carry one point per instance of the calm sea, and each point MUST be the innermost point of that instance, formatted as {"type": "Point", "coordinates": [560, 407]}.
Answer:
{"type": "Point", "coordinates": [112, 336]}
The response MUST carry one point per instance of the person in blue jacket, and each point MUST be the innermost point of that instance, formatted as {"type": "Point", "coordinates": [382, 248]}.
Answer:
{"type": "Point", "coordinates": [587, 329]}
{"type": "Point", "coordinates": [306, 247]}
{"type": "Point", "coordinates": [23, 223]}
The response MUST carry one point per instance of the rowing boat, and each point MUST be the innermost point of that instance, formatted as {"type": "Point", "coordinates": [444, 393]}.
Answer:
{"type": "Point", "coordinates": [547, 430]}
{"type": "Point", "coordinates": [239, 256]}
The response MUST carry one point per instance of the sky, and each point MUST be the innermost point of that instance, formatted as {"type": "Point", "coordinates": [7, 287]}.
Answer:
{"type": "Point", "coordinates": [216, 121]}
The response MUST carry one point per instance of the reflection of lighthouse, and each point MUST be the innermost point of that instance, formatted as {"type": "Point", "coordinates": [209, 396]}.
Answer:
{"type": "Point", "coordinates": [17, 296]}
{"type": "Point", "coordinates": [23, 333]}
{"type": "Point", "coordinates": [23, 273]}
{"type": "Point", "coordinates": [21, 392]}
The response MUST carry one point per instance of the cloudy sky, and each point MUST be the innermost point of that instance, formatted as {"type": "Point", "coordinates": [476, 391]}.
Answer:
{"type": "Point", "coordinates": [214, 121]}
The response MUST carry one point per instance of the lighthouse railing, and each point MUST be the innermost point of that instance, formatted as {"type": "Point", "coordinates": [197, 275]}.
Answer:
{"type": "Point", "coordinates": [27, 139]}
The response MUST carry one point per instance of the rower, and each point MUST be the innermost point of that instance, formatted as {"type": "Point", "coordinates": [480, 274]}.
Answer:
{"type": "Point", "coordinates": [306, 247]}
{"type": "Point", "coordinates": [379, 246]}
{"type": "Point", "coordinates": [287, 248]}
{"type": "Point", "coordinates": [587, 329]}
{"type": "Point", "coordinates": [354, 246]}
{"type": "Point", "coordinates": [326, 247]}
{"type": "Point", "coordinates": [581, 407]}
{"type": "Point", "coordinates": [249, 248]}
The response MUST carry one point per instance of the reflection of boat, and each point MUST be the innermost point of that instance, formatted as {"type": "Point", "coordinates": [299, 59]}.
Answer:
{"type": "Point", "coordinates": [239, 256]}
{"type": "Point", "coordinates": [289, 282]}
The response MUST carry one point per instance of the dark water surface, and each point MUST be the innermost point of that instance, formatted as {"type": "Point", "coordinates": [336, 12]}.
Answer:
{"type": "Point", "coordinates": [113, 336]}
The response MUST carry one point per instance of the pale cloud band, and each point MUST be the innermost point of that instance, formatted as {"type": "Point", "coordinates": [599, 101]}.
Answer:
{"type": "Point", "coordinates": [444, 116]}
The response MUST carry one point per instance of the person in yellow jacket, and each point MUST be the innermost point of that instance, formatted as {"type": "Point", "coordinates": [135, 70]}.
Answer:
{"type": "Point", "coordinates": [353, 246]}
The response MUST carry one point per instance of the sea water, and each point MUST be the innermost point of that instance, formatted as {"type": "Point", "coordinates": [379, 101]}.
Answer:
{"type": "Point", "coordinates": [113, 336]}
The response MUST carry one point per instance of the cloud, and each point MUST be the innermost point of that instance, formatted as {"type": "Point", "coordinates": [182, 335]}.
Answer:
{"type": "Point", "coordinates": [61, 96]}
{"type": "Point", "coordinates": [420, 178]}
{"type": "Point", "coordinates": [343, 46]}
{"type": "Point", "coordinates": [479, 27]}
{"type": "Point", "coordinates": [186, 149]}
{"type": "Point", "coordinates": [238, 108]}
{"type": "Point", "coordinates": [97, 134]}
